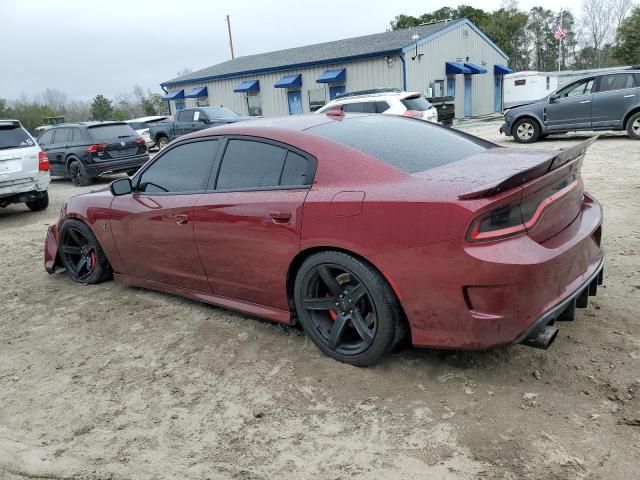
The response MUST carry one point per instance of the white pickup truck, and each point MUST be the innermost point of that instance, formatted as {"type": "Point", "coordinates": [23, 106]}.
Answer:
{"type": "Point", "coordinates": [24, 168]}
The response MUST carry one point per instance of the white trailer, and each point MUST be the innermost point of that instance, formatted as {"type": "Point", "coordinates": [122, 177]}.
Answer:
{"type": "Point", "coordinates": [527, 86]}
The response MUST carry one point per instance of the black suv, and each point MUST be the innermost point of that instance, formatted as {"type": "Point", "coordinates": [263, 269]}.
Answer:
{"type": "Point", "coordinates": [82, 151]}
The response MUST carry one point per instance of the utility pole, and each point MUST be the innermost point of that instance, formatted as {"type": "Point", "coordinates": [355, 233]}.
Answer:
{"type": "Point", "coordinates": [230, 38]}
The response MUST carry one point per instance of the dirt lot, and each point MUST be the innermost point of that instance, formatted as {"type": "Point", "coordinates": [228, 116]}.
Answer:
{"type": "Point", "coordinates": [105, 382]}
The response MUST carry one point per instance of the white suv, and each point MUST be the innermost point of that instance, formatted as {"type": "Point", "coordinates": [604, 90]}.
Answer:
{"type": "Point", "coordinates": [24, 168]}
{"type": "Point", "coordinates": [387, 101]}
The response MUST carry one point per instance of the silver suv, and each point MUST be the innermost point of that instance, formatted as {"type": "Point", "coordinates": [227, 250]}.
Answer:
{"type": "Point", "coordinates": [24, 168]}
{"type": "Point", "coordinates": [608, 101]}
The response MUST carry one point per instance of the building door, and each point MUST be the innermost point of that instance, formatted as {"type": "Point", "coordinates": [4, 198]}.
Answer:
{"type": "Point", "coordinates": [294, 98]}
{"type": "Point", "coordinates": [467, 96]}
{"type": "Point", "coordinates": [336, 90]}
{"type": "Point", "coordinates": [497, 103]}
{"type": "Point", "coordinates": [451, 86]}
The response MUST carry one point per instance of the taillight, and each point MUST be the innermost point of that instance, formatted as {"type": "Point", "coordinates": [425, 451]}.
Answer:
{"type": "Point", "coordinates": [514, 219]}
{"type": "Point", "coordinates": [413, 114]}
{"type": "Point", "coordinates": [97, 147]}
{"type": "Point", "coordinates": [140, 141]}
{"type": "Point", "coordinates": [43, 162]}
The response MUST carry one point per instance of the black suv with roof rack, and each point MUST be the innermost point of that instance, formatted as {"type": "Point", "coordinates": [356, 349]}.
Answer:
{"type": "Point", "coordinates": [85, 150]}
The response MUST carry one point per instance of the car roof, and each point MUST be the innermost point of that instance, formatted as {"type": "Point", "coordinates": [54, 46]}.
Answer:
{"type": "Point", "coordinates": [89, 124]}
{"type": "Point", "coordinates": [146, 119]}
{"type": "Point", "coordinates": [375, 96]}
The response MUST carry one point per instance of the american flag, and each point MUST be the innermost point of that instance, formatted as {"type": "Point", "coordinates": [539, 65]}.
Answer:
{"type": "Point", "coordinates": [559, 32]}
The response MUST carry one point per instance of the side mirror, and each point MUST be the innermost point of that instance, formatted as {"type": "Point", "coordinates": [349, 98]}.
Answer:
{"type": "Point", "coordinates": [204, 120]}
{"type": "Point", "coordinates": [122, 186]}
{"type": "Point", "coordinates": [552, 98]}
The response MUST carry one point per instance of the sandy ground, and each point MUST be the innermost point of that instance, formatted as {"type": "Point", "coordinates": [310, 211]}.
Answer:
{"type": "Point", "coordinates": [105, 382]}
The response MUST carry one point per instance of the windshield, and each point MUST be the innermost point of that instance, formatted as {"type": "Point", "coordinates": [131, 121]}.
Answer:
{"type": "Point", "coordinates": [14, 137]}
{"type": "Point", "coordinates": [219, 112]}
{"type": "Point", "coordinates": [102, 133]}
{"type": "Point", "coordinates": [410, 145]}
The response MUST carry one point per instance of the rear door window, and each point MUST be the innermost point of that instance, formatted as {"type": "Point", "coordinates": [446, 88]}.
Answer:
{"type": "Point", "coordinates": [182, 169]}
{"type": "Point", "coordinates": [382, 107]}
{"type": "Point", "coordinates": [297, 170]}
{"type": "Point", "coordinates": [250, 164]}
{"type": "Point", "coordinates": [417, 103]}
{"type": "Point", "coordinates": [14, 137]}
{"type": "Point", "coordinates": [360, 107]}
{"type": "Point", "coordinates": [619, 81]}
{"type": "Point", "coordinates": [111, 133]}
{"type": "Point", "coordinates": [407, 144]}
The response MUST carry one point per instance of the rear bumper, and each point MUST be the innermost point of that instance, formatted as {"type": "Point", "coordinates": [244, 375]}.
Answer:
{"type": "Point", "coordinates": [51, 249]}
{"type": "Point", "coordinates": [476, 296]}
{"type": "Point", "coordinates": [39, 183]}
{"type": "Point", "coordinates": [116, 166]}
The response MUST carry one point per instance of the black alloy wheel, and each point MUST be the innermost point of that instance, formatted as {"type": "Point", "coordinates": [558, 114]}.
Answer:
{"type": "Point", "coordinates": [78, 174]}
{"type": "Point", "coordinates": [81, 254]}
{"type": "Point", "coordinates": [346, 308]}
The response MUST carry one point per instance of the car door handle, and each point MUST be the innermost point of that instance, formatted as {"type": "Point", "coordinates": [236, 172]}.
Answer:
{"type": "Point", "coordinates": [586, 101]}
{"type": "Point", "coordinates": [280, 217]}
{"type": "Point", "coordinates": [629, 96]}
{"type": "Point", "coordinates": [180, 219]}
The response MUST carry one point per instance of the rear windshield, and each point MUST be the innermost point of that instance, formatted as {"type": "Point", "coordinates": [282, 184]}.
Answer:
{"type": "Point", "coordinates": [219, 112]}
{"type": "Point", "coordinates": [103, 133]}
{"type": "Point", "coordinates": [417, 103]}
{"type": "Point", "coordinates": [138, 125]}
{"type": "Point", "coordinates": [14, 137]}
{"type": "Point", "coordinates": [408, 144]}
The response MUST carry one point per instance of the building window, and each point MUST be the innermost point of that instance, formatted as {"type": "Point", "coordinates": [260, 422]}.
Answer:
{"type": "Point", "coordinates": [202, 102]}
{"type": "Point", "coordinates": [438, 88]}
{"type": "Point", "coordinates": [317, 99]}
{"type": "Point", "coordinates": [180, 105]}
{"type": "Point", "coordinates": [254, 104]}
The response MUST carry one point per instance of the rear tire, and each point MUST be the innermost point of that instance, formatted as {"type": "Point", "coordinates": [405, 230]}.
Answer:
{"type": "Point", "coordinates": [78, 174]}
{"type": "Point", "coordinates": [40, 203]}
{"type": "Point", "coordinates": [81, 254]}
{"type": "Point", "coordinates": [367, 314]}
{"type": "Point", "coordinates": [162, 142]}
{"type": "Point", "coordinates": [633, 126]}
{"type": "Point", "coordinates": [526, 130]}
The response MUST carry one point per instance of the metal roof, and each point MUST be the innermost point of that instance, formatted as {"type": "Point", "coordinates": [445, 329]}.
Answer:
{"type": "Point", "coordinates": [377, 44]}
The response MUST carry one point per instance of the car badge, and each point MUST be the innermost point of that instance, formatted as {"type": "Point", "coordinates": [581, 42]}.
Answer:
{"type": "Point", "coordinates": [122, 143]}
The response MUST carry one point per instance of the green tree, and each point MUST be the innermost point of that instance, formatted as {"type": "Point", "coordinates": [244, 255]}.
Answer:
{"type": "Point", "coordinates": [628, 50]}
{"type": "Point", "coordinates": [545, 47]}
{"type": "Point", "coordinates": [101, 108]}
{"type": "Point", "coordinates": [507, 28]}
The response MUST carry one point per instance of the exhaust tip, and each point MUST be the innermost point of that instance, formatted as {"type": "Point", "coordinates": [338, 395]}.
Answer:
{"type": "Point", "coordinates": [543, 339]}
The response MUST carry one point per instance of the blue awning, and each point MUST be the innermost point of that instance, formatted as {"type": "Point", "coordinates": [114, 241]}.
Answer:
{"type": "Point", "coordinates": [289, 81]}
{"type": "Point", "coordinates": [248, 86]}
{"type": "Point", "coordinates": [175, 95]}
{"type": "Point", "coordinates": [197, 92]}
{"type": "Point", "coordinates": [333, 76]}
{"type": "Point", "coordinates": [454, 68]}
{"type": "Point", "coordinates": [475, 68]}
{"type": "Point", "coordinates": [501, 70]}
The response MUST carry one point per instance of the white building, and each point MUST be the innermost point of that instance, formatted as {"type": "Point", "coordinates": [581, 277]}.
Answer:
{"type": "Point", "coordinates": [441, 58]}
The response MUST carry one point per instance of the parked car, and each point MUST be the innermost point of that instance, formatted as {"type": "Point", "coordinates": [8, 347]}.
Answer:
{"type": "Point", "coordinates": [385, 100]}
{"type": "Point", "coordinates": [192, 120]}
{"type": "Point", "coordinates": [24, 168]}
{"type": "Point", "coordinates": [83, 151]}
{"type": "Point", "coordinates": [608, 101]}
{"type": "Point", "coordinates": [353, 226]}
{"type": "Point", "coordinates": [141, 126]}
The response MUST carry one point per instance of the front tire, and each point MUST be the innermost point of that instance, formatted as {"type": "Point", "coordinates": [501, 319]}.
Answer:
{"type": "Point", "coordinates": [526, 130]}
{"type": "Point", "coordinates": [346, 308]}
{"type": "Point", "coordinates": [78, 174]}
{"type": "Point", "coordinates": [81, 254]}
{"type": "Point", "coordinates": [39, 204]}
{"type": "Point", "coordinates": [633, 126]}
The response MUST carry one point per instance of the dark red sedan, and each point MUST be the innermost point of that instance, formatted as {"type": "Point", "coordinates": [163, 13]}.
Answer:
{"type": "Point", "coordinates": [365, 229]}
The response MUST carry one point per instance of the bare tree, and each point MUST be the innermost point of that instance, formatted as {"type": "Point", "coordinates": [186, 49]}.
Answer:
{"type": "Point", "coordinates": [597, 21]}
{"type": "Point", "coordinates": [620, 10]}
{"type": "Point", "coordinates": [183, 72]}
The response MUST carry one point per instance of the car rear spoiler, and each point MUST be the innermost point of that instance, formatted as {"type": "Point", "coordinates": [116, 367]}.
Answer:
{"type": "Point", "coordinates": [555, 160]}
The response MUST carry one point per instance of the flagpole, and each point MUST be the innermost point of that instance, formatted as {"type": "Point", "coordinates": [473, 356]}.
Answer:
{"type": "Point", "coordinates": [560, 45]}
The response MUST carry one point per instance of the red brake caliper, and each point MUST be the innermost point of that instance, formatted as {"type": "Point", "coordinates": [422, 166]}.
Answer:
{"type": "Point", "coordinates": [93, 260]}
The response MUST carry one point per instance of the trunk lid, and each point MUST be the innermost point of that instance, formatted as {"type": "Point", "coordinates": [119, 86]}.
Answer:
{"type": "Point", "coordinates": [116, 140]}
{"type": "Point", "coordinates": [18, 153]}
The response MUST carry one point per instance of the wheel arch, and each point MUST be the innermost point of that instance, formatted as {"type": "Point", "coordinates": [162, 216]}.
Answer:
{"type": "Point", "coordinates": [630, 114]}
{"type": "Point", "coordinates": [81, 219]}
{"type": "Point", "coordinates": [70, 158]}
{"type": "Point", "coordinates": [299, 259]}
{"type": "Point", "coordinates": [530, 116]}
